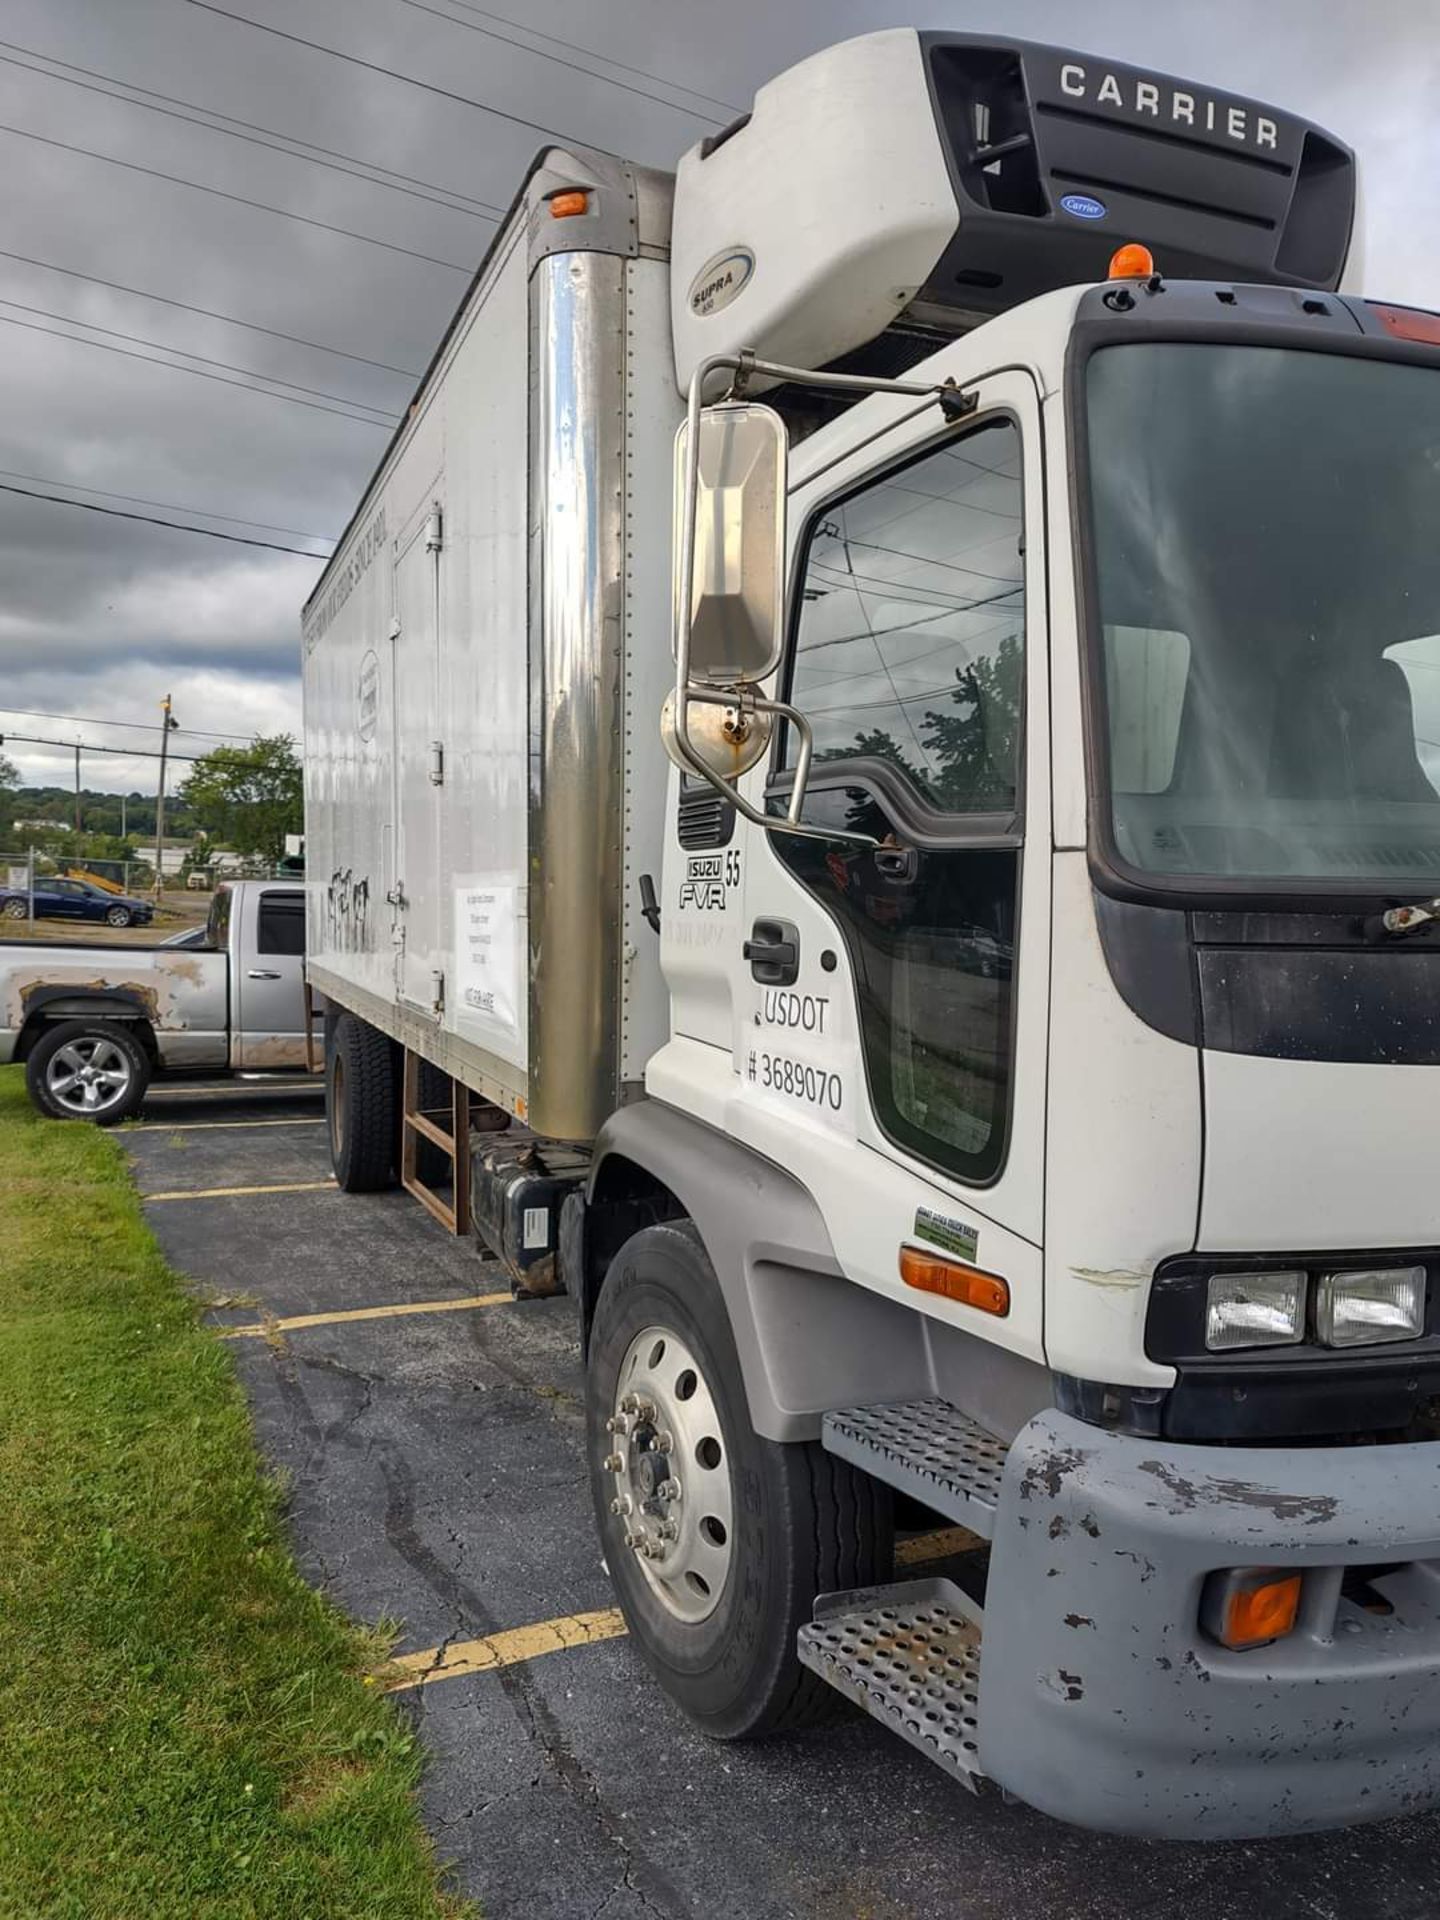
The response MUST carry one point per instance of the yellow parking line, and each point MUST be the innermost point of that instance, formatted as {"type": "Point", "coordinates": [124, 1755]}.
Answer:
{"type": "Point", "coordinates": [202, 1126]}
{"type": "Point", "coordinates": [936, 1546]}
{"type": "Point", "coordinates": [583, 1629]}
{"type": "Point", "coordinates": [227, 1193]}
{"type": "Point", "coordinates": [501, 1649]}
{"type": "Point", "coordinates": [263, 1327]}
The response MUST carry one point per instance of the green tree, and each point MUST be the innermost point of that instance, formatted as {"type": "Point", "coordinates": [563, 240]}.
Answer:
{"type": "Point", "coordinates": [249, 797]}
{"type": "Point", "coordinates": [9, 787]}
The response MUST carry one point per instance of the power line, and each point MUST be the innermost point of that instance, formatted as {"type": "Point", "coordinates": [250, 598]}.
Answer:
{"type": "Point", "coordinates": [196, 373]}
{"type": "Point", "coordinates": [137, 726]}
{"type": "Point", "coordinates": [390, 73]}
{"type": "Point", "coordinates": [129, 753]}
{"type": "Point", "coordinates": [439, 197]}
{"type": "Point", "coordinates": [219, 193]}
{"type": "Point", "coordinates": [209, 313]}
{"type": "Point", "coordinates": [140, 500]}
{"type": "Point", "coordinates": [639, 72]}
{"type": "Point", "coordinates": [676, 106]}
{"type": "Point", "coordinates": [175, 526]}
{"type": "Point", "coordinates": [164, 346]}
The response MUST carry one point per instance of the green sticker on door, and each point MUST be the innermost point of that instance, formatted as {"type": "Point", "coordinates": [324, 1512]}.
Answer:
{"type": "Point", "coordinates": [943, 1231]}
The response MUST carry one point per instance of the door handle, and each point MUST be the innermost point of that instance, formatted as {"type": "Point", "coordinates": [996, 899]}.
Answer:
{"type": "Point", "coordinates": [773, 951]}
{"type": "Point", "coordinates": [261, 973]}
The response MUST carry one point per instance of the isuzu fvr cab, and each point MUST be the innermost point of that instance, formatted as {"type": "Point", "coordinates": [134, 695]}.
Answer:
{"type": "Point", "coordinates": [989, 1069]}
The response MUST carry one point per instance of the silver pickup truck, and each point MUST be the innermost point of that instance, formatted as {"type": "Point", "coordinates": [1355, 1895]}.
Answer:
{"type": "Point", "coordinates": [95, 1024]}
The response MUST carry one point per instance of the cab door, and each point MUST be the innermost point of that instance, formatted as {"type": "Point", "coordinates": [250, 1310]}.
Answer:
{"type": "Point", "coordinates": [891, 1011]}
{"type": "Point", "coordinates": [270, 991]}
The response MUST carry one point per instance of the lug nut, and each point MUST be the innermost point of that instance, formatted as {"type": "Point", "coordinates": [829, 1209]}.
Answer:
{"type": "Point", "coordinates": [619, 1423]}
{"type": "Point", "coordinates": [614, 1463]}
{"type": "Point", "coordinates": [668, 1490]}
{"type": "Point", "coordinates": [669, 1530]}
{"type": "Point", "coordinates": [635, 1542]}
{"type": "Point", "coordinates": [622, 1504]}
{"type": "Point", "coordinates": [664, 1441]}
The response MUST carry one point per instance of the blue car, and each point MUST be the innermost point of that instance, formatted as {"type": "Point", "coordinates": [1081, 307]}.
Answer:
{"type": "Point", "coordinates": [75, 900]}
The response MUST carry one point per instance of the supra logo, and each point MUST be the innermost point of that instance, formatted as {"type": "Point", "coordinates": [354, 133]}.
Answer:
{"type": "Point", "coordinates": [720, 280]}
{"type": "Point", "coordinates": [1161, 100]}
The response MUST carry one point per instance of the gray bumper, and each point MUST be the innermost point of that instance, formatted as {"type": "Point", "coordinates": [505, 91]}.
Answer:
{"type": "Point", "coordinates": [1102, 1702]}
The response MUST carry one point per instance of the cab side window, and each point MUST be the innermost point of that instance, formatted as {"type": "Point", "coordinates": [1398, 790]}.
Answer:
{"type": "Point", "coordinates": [909, 663]}
{"type": "Point", "coordinates": [910, 644]}
{"type": "Point", "coordinates": [282, 924]}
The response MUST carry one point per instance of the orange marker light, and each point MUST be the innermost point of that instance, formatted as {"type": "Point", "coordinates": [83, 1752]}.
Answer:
{"type": "Point", "coordinates": [1409, 323]}
{"type": "Point", "coordinates": [564, 206]}
{"type": "Point", "coordinates": [931, 1274]}
{"type": "Point", "coordinates": [1255, 1615]}
{"type": "Point", "coordinates": [1132, 262]}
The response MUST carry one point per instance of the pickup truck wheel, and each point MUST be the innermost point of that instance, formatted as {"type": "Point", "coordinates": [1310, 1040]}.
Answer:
{"type": "Point", "coordinates": [361, 1107]}
{"type": "Point", "coordinates": [717, 1541]}
{"type": "Point", "coordinates": [118, 917]}
{"type": "Point", "coordinates": [88, 1070]}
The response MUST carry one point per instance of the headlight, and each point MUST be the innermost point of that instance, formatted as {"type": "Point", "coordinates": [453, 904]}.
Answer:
{"type": "Point", "coordinates": [1256, 1310]}
{"type": "Point", "coordinates": [1363, 1308]}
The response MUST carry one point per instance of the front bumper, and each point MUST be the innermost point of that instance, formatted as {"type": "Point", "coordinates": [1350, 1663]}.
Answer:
{"type": "Point", "coordinates": [1102, 1702]}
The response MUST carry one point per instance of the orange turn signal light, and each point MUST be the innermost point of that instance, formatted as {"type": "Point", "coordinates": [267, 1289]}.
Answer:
{"type": "Point", "coordinates": [1132, 262]}
{"type": "Point", "coordinates": [564, 206]}
{"type": "Point", "coordinates": [1409, 323]}
{"type": "Point", "coordinates": [972, 1288]}
{"type": "Point", "coordinates": [1256, 1614]}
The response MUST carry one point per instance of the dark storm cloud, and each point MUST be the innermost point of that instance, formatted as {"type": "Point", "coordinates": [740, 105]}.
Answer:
{"type": "Point", "coordinates": [100, 616]}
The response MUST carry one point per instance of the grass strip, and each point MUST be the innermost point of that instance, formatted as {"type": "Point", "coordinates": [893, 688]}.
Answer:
{"type": "Point", "coordinates": [187, 1728]}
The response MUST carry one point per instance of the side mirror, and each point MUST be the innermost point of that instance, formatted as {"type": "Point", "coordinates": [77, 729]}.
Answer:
{"type": "Point", "coordinates": [736, 481]}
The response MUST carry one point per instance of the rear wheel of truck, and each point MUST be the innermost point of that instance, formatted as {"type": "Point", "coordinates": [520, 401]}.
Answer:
{"type": "Point", "coordinates": [88, 1070]}
{"type": "Point", "coordinates": [717, 1541]}
{"type": "Point", "coordinates": [361, 1108]}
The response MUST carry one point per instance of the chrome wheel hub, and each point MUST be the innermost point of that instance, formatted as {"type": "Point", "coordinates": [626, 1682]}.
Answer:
{"type": "Point", "coordinates": [88, 1076]}
{"type": "Point", "coordinates": [671, 1474]}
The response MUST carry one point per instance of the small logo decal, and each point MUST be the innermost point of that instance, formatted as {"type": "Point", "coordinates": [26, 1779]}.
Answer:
{"type": "Point", "coordinates": [949, 1234]}
{"type": "Point", "coordinates": [1083, 206]}
{"type": "Point", "coordinates": [720, 280]}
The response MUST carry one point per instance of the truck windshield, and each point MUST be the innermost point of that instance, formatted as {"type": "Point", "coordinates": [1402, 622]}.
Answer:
{"type": "Point", "coordinates": [1265, 544]}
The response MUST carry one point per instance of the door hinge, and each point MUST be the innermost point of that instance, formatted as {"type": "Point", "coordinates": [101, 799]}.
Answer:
{"type": "Point", "coordinates": [438, 1003]}
{"type": "Point", "coordinates": [437, 763]}
{"type": "Point", "coordinates": [396, 896]}
{"type": "Point", "coordinates": [395, 628]}
{"type": "Point", "coordinates": [434, 531]}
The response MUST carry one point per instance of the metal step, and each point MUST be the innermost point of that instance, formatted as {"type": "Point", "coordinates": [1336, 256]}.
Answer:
{"type": "Point", "coordinates": [910, 1656]}
{"type": "Point", "coordinates": [925, 1448]}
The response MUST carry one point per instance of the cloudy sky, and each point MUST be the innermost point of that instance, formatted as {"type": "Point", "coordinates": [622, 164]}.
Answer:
{"type": "Point", "coordinates": [102, 616]}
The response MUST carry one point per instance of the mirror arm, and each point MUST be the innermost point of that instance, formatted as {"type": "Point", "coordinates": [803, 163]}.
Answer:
{"type": "Point", "coordinates": [954, 403]}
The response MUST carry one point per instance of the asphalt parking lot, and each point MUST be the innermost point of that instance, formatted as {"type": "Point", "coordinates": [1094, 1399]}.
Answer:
{"type": "Point", "coordinates": [434, 1454]}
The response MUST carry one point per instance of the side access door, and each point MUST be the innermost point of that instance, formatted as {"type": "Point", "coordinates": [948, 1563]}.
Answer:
{"type": "Point", "coordinates": [891, 1008]}
{"type": "Point", "coordinates": [418, 762]}
{"type": "Point", "coordinates": [267, 972]}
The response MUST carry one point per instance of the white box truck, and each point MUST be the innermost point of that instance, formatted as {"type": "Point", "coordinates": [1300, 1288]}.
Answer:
{"type": "Point", "coordinates": [977, 1053]}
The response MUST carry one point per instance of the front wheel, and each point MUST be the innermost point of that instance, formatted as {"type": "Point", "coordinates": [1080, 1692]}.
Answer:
{"type": "Point", "coordinates": [717, 1541]}
{"type": "Point", "coordinates": [118, 917]}
{"type": "Point", "coordinates": [88, 1070]}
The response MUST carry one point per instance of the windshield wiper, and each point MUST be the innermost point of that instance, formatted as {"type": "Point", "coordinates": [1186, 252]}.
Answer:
{"type": "Point", "coordinates": [1410, 919]}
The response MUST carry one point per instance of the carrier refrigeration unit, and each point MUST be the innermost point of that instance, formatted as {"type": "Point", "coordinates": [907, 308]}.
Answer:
{"type": "Point", "coordinates": [873, 816]}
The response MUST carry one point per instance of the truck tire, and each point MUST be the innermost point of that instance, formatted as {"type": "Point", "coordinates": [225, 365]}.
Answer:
{"type": "Point", "coordinates": [760, 1528]}
{"type": "Point", "coordinates": [361, 1108]}
{"type": "Point", "coordinates": [88, 1070]}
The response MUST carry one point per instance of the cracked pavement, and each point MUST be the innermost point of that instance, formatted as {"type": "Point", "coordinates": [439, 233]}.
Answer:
{"type": "Point", "coordinates": [437, 1480]}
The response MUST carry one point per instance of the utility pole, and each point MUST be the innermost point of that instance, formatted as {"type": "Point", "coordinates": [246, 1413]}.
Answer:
{"type": "Point", "coordinates": [77, 786]}
{"type": "Point", "coordinates": [122, 816]}
{"type": "Point", "coordinates": [170, 723]}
